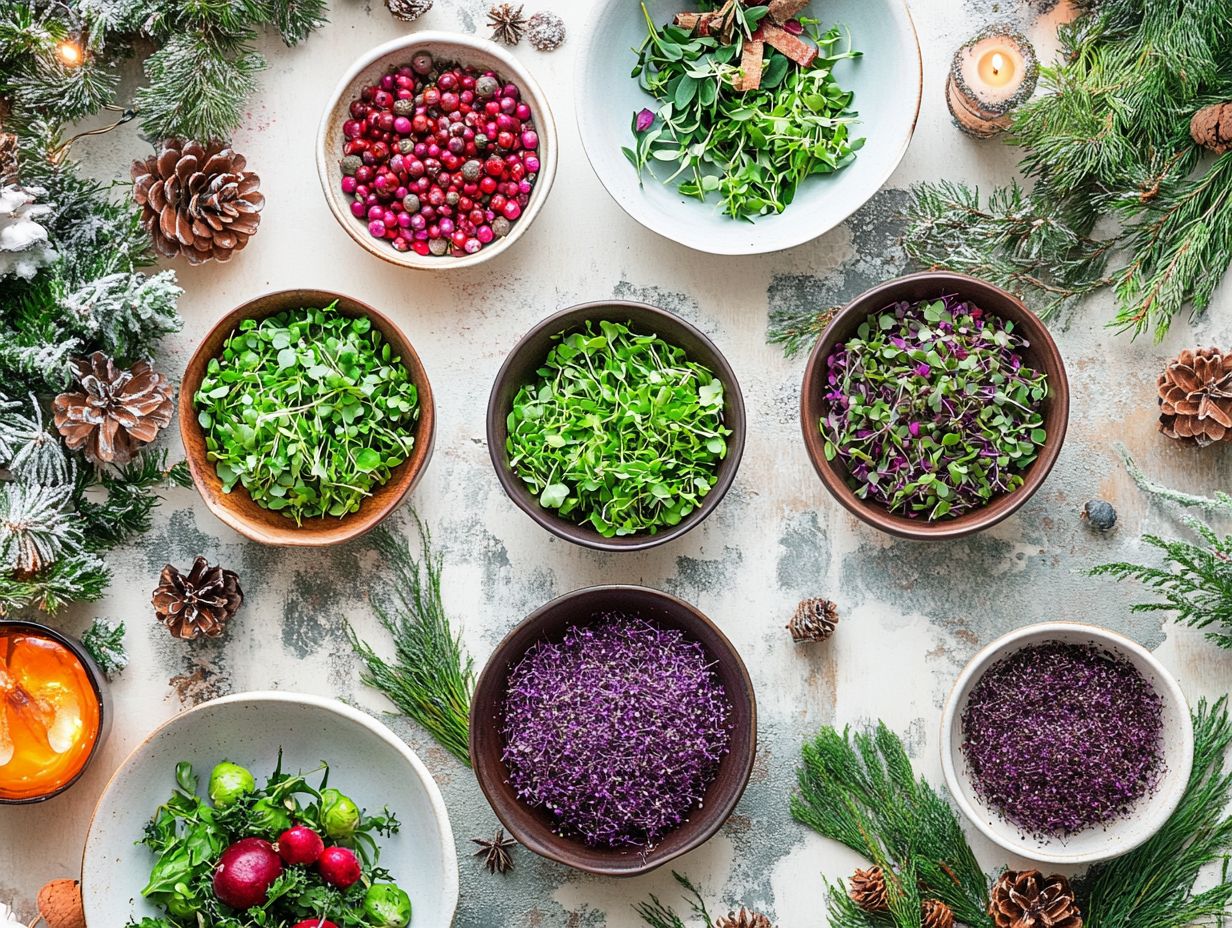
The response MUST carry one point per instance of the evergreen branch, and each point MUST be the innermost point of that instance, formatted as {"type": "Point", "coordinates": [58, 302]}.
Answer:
{"type": "Point", "coordinates": [130, 497]}
{"type": "Point", "coordinates": [1154, 883]}
{"type": "Point", "coordinates": [1195, 582]}
{"type": "Point", "coordinates": [431, 678]}
{"type": "Point", "coordinates": [861, 790]}
{"type": "Point", "coordinates": [1011, 240]}
{"type": "Point", "coordinates": [104, 640]}
{"type": "Point", "coordinates": [796, 330]}
{"type": "Point", "coordinates": [657, 915]}
{"type": "Point", "coordinates": [77, 578]}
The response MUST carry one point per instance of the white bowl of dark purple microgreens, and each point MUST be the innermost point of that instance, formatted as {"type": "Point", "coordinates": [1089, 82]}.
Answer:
{"type": "Point", "coordinates": [1067, 743]}
{"type": "Point", "coordinates": [692, 153]}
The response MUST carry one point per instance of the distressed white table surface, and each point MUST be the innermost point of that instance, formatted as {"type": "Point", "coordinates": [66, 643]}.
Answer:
{"type": "Point", "coordinates": [912, 614]}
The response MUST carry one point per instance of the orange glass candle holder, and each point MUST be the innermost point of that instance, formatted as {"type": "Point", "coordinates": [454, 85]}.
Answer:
{"type": "Point", "coordinates": [54, 711]}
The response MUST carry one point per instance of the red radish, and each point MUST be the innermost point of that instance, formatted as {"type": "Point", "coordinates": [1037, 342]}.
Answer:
{"type": "Point", "coordinates": [300, 846]}
{"type": "Point", "coordinates": [339, 867]}
{"type": "Point", "coordinates": [314, 923]}
{"type": "Point", "coordinates": [245, 873]}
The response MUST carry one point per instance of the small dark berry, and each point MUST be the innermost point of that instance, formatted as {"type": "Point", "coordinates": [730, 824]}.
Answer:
{"type": "Point", "coordinates": [404, 108]}
{"type": "Point", "coordinates": [486, 87]}
{"type": "Point", "coordinates": [439, 246]}
{"type": "Point", "coordinates": [410, 203]}
{"type": "Point", "coordinates": [421, 64]}
{"type": "Point", "coordinates": [501, 226]}
{"type": "Point", "coordinates": [406, 146]}
{"type": "Point", "coordinates": [351, 163]}
{"type": "Point", "coordinates": [1099, 515]}
{"type": "Point", "coordinates": [471, 170]}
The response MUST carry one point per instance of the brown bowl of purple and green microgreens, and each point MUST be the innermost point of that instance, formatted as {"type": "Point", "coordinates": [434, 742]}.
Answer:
{"type": "Point", "coordinates": [934, 405]}
{"type": "Point", "coordinates": [614, 729]}
{"type": "Point", "coordinates": [616, 425]}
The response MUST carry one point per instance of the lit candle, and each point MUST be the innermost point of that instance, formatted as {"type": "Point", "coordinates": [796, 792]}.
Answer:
{"type": "Point", "coordinates": [53, 712]}
{"type": "Point", "coordinates": [69, 54]}
{"type": "Point", "coordinates": [990, 75]}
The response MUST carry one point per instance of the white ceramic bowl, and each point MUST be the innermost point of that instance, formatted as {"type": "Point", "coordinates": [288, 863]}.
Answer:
{"type": "Point", "coordinates": [887, 83]}
{"type": "Point", "coordinates": [1099, 842]}
{"type": "Point", "coordinates": [367, 761]}
{"type": "Point", "coordinates": [467, 50]}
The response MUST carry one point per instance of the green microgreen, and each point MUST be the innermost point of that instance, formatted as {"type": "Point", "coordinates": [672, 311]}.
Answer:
{"type": "Point", "coordinates": [619, 430]}
{"type": "Point", "coordinates": [308, 410]}
{"type": "Point", "coordinates": [932, 409]}
{"type": "Point", "coordinates": [751, 148]}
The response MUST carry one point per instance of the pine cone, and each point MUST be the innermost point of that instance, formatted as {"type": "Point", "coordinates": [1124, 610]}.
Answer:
{"type": "Point", "coordinates": [1026, 899]}
{"type": "Point", "coordinates": [8, 158]}
{"type": "Point", "coordinates": [744, 919]}
{"type": "Point", "coordinates": [814, 620]}
{"type": "Point", "coordinates": [197, 200]}
{"type": "Point", "coordinates": [408, 10]}
{"type": "Point", "coordinates": [200, 603]}
{"type": "Point", "coordinates": [936, 914]}
{"type": "Point", "coordinates": [115, 412]}
{"type": "Point", "coordinates": [1211, 127]}
{"type": "Point", "coordinates": [1195, 397]}
{"type": "Point", "coordinates": [867, 889]}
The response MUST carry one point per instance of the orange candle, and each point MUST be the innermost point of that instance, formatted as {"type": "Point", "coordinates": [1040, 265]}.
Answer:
{"type": "Point", "coordinates": [990, 75]}
{"type": "Point", "coordinates": [51, 712]}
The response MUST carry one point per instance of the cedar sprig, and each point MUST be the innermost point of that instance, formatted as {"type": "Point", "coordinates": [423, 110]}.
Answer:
{"type": "Point", "coordinates": [860, 789]}
{"type": "Point", "coordinates": [1154, 883]}
{"type": "Point", "coordinates": [1194, 583]}
{"type": "Point", "coordinates": [430, 678]}
{"type": "Point", "coordinates": [658, 915]}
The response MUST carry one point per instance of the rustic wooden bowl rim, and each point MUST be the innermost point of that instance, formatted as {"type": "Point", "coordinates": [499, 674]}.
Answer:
{"type": "Point", "coordinates": [1043, 350]}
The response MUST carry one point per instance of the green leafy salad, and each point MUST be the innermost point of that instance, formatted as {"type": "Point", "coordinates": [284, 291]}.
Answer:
{"type": "Point", "coordinates": [748, 104]}
{"type": "Point", "coordinates": [284, 855]}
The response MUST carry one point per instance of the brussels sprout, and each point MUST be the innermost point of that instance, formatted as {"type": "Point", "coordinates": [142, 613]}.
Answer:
{"type": "Point", "coordinates": [228, 783]}
{"type": "Point", "coordinates": [269, 818]}
{"type": "Point", "coordinates": [387, 906]}
{"type": "Point", "coordinates": [339, 815]}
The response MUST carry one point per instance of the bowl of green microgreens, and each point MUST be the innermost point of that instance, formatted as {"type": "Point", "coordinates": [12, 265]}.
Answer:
{"type": "Point", "coordinates": [934, 405]}
{"type": "Point", "coordinates": [616, 425]}
{"type": "Point", "coordinates": [741, 127]}
{"type": "Point", "coordinates": [306, 416]}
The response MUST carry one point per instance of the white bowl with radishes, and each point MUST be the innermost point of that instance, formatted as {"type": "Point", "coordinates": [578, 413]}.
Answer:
{"type": "Point", "coordinates": [367, 760]}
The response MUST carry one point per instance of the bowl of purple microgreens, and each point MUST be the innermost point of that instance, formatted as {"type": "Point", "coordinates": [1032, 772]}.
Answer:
{"type": "Point", "coordinates": [1067, 743]}
{"type": "Point", "coordinates": [614, 730]}
{"type": "Point", "coordinates": [934, 405]}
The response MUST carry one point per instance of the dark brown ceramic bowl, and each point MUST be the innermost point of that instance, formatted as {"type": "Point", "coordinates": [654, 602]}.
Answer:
{"type": "Point", "coordinates": [1041, 354]}
{"type": "Point", "coordinates": [98, 682]}
{"type": "Point", "coordinates": [534, 827]}
{"type": "Point", "coordinates": [527, 357]}
{"type": "Point", "coordinates": [237, 508]}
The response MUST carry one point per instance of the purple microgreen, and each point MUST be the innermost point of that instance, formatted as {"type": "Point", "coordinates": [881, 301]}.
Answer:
{"type": "Point", "coordinates": [932, 408]}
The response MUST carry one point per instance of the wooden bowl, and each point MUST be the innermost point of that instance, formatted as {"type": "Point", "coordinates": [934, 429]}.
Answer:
{"type": "Point", "coordinates": [237, 508]}
{"type": "Point", "coordinates": [533, 828]}
{"type": "Point", "coordinates": [370, 67]}
{"type": "Point", "coordinates": [527, 357]}
{"type": "Point", "coordinates": [1042, 354]}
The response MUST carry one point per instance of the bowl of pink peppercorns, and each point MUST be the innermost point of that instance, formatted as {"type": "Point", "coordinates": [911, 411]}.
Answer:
{"type": "Point", "coordinates": [437, 150]}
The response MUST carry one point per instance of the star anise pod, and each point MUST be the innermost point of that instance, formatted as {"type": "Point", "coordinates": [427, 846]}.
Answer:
{"type": "Point", "coordinates": [507, 22]}
{"type": "Point", "coordinates": [495, 851]}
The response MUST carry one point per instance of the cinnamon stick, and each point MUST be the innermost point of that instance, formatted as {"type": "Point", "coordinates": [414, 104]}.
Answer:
{"type": "Point", "coordinates": [783, 10]}
{"type": "Point", "coordinates": [799, 51]}
{"type": "Point", "coordinates": [750, 65]}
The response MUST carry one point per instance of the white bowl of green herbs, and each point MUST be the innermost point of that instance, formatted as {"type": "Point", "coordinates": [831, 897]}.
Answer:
{"type": "Point", "coordinates": [762, 170]}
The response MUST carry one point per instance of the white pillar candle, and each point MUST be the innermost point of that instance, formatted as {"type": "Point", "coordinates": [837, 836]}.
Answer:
{"type": "Point", "coordinates": [990, 75]}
